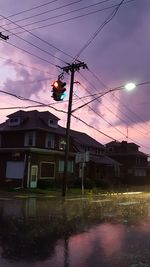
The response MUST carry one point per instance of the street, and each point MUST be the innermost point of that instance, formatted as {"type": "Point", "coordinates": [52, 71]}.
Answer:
{"type": "Point", "coordinates": [107, 230]}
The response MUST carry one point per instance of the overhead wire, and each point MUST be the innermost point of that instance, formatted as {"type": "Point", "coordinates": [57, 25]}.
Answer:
{"type": "Point", "coordinates": [127, 107]}
{"type": "Point", "coordinates": [34, 55]}
{"type": "Point", "coordinates": [56, 16]}
{"type": "Point", "coordinates": [112, 125]}
{"type": "Point", "coordinates": [47, 11]}
{"type": "Point", "coordinates": [102, 117]}
{"type": "Point", "coordinates": [69, 19]}
{"type": "Point", "coordinates": [62, 111]}
{"type": "Point", "coordinates": [107, 20]}
{"type": "Point", "coordinates": [118, 129]}
{"type": "Point", "coordinates": [110, 110]}
{"type": "Point", "coordinates": [30, 43]}
{"type": "Point", "coordinates": [24, 65]}
{"type": "Point", "coordinates": [31, 8]}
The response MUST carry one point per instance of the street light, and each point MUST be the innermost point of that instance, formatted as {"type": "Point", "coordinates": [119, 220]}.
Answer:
{"type": "Point", "coordinates": [130, 86]}
{"type": "Point", "coordinates": [73, 68]}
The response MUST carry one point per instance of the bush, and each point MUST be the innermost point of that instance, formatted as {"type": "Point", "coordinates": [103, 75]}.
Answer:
{"type": "Point", "coordinates": [103, 183]}
{"type": "Point", "coordinates": [44, 184]}
{"type": "Point", "coordinates": [88, 183]}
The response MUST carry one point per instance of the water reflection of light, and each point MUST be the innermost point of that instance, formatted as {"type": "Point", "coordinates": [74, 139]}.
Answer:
{"type": "Point", "coordinates": [102, 241]}
{"type": "Point", "coordinates": [110, 238]}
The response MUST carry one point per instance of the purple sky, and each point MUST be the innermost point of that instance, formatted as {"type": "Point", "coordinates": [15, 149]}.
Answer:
{"type": "Point", "coordinates": [118, 54]}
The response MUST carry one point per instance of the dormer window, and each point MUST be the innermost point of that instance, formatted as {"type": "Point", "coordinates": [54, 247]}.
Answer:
{"type": "Point", "coordinates": [14, 121]}
{"type": "Point", "coordinates": [52, 123]}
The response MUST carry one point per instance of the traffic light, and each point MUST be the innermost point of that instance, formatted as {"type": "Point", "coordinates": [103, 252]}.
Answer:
{"type": "Point", "coordinates": [58, 90]}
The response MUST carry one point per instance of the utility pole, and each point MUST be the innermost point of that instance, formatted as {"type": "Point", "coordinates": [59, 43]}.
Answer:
{"type": "Point", "coordinates": [72, 68]}
{"type": "Point", "coordinates": [4, 37]}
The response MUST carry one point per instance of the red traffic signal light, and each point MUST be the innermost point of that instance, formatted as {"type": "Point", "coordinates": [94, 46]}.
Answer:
{"type": "Point", "coordinates": [58, 90]}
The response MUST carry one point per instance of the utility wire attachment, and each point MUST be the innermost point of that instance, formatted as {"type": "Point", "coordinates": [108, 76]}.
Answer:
{"type": "Point", "coordinates": [4, 37]}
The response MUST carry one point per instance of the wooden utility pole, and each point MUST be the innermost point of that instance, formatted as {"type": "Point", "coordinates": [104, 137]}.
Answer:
{"type": "Point", "coordinates": [71, 68]}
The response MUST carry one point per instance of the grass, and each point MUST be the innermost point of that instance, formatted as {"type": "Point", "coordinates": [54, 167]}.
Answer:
{"type": "Point", "coordinates": [76, 191]}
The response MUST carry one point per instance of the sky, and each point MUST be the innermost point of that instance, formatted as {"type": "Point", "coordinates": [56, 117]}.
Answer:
{"type": "Point", "coordinates": [40, 45]}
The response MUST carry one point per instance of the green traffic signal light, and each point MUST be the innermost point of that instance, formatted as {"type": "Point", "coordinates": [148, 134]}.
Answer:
{"type": "Point", "coordinates": [58, 90]}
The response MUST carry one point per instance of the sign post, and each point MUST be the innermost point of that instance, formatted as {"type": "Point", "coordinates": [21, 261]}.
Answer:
{"type": "Point", "coordinates": [82, 158]}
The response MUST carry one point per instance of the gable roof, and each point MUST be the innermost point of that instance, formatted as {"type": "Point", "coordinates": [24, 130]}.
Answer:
{"type": "Point", "coordinates": [32, 113]}
{"type": "Point", "coordinates": [35, 120]}
{"type": "Point", "coordinates": [85, 139]}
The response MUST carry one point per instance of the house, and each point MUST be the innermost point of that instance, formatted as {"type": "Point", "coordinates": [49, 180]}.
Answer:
{"type": "Point", "coordinates": [134, 170]}
{"type": "Point", "coordinates": [32, 148]}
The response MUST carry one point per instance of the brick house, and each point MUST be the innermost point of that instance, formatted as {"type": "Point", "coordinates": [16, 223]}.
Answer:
{"type": "Point", "coordinates": [134, 169]}
{"type": "Point", "coordinates": [32, 148]}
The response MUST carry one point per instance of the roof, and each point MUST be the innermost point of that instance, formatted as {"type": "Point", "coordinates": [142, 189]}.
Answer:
{"type": "Point", "coordinates": [126, 154]}
{"type": "Point", "coordinates": [35, 120]}
{"type": "Point", "coordinates": [104, 160]}
{"type": "Point", "coordinates": [116, 143]}
{"type": "Point", "coordinates": [33, 113]}
{"type": "Point", "coordinates": [85, 139]}
{"type": "Point", "coordinates": [30, 120]}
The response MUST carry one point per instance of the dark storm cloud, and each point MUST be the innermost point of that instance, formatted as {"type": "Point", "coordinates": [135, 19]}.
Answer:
{"type": "Point", "coordinates": [118, 54]}
{"type": "Point", "coordinates": [121, 54]}
{"type": "Point", "coordinates": [26, 82]}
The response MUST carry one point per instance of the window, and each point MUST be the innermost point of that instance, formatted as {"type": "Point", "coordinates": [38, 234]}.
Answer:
{"type": "Point", "coordinates": [15, 170]}
{"type": "Point", "coordinates": [14, 121]}
{"type": "Point", "coordinates": [52, 123]}
{"type": "Point", "coordinates": [29, 139]}
{"type": "Point", "coordinates": [69, 167]}
{"type": "Point", "coordinates": [61, 166]}
{"type": "Point", "coordinates": [99, 151]}
{"type": "Point", "coordinates": [62, 143]}
{"type": "Point", "coordinates": [140, 172]}
{"type": "Point", "coordinates": [49, 141]}
{"type": "Point", "coordinates": [47, 170]}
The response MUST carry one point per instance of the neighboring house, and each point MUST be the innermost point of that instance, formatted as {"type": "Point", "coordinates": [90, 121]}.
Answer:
{"type": "Point", "coordinates": [134, 168]}
{"type": "Point", "coordinates": [99, 166]}
{"type": "Point", "coordinates": [32, 146]}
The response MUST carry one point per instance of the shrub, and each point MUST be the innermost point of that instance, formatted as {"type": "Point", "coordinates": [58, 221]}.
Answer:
{"type": "Point", "coordinates": [103, 183]}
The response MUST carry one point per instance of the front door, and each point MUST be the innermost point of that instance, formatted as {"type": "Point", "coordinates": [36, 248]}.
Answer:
{"type": "Point", "coordinates": [33, 177]}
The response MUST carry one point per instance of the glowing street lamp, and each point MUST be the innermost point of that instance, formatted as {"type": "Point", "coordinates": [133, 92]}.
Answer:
{"type": "Point", "coordinates": [130, 86]}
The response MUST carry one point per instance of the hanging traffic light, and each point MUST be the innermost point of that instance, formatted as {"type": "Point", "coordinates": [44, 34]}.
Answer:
{"type": "Point", "coordinates": [58, 90]}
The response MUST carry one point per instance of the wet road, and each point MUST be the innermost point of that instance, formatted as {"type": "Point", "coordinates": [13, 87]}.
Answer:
{"type": "Point", "coordinates": [99, 231]}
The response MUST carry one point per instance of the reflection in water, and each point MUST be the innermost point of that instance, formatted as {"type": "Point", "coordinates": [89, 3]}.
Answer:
{"type": "Point", "coordinates": [74, 234]}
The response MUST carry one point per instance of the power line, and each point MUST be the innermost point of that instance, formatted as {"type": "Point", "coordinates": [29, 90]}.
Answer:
{"type": "Point", "coordinates": [24, 65]}
{"type": "Point", "coordinates": [106, 87]}
{"type": "Point", "coordinates": [69, 19]}
{"type": "Point", "coordinates": [47, 11]}
{"type": "Point", "coordinates": [77, 118]}
{"type": "Point", "coordinates": [28, 42]}
{"type": "Point", "coordinates": [32, 8]}
{"type": "Point", "coordinates": [99, 115]}
{"type": "Point", "coordinates": [114, 128]}
{"type": "Point", "coordinates": [109, 18]}
{"type": "Point", "coordinates": [30, 100]}
{"type": "Point", "coordinates": [56, 16]}
{"type": "Point", "coordinates": [39, 38]}
{"type": "Point", "coordinates": [35, 81]}
{"type": "Point", "coordinates": [46, 105]}
{"type": "Point", "coordinates": [25, 51]}
{"type": "Point", "coordinates": [104, 93]}
{"type": "Point", "coordinates": [111, 110]}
